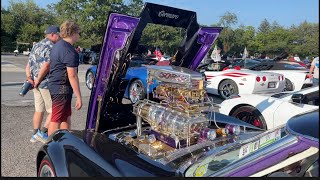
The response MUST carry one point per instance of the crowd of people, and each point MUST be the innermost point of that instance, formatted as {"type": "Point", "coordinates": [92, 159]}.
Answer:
{"type": "Point", "coordinates": [52, 69]}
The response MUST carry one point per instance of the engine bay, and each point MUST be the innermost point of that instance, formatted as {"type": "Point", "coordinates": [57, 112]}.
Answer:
{"type": "Point", "coordinates": [180, 125]}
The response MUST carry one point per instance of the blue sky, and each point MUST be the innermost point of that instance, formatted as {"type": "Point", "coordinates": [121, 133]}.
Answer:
{"type": "Point", "coordinates": [249, 12]}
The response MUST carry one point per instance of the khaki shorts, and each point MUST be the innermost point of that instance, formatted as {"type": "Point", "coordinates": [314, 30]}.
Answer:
{"type": "Point", "coordinates": [42, 100]}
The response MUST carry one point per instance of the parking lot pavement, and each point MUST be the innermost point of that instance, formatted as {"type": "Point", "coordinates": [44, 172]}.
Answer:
{"type": "Point", "coordinates": [18, 154]}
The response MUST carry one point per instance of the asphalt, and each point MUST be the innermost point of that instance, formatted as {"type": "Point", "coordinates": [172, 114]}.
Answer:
{"type": "Point", "coordinates": [18, 154]}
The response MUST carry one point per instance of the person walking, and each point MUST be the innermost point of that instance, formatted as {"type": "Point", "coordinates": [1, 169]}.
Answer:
{"type": "Point", "coordinates": [63, 77]}
{"type": "Point", "coordinates": [37, 70]}
{"type": "Point", "coordinates": [315, 69]}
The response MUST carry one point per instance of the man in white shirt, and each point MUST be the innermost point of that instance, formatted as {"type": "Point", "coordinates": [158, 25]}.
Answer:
{"type": "Point", "coordinates": [315, 69]}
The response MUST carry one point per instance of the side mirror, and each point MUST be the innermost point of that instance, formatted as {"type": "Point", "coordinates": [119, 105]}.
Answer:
{"type": "Point", "coordinates": [297, 98]}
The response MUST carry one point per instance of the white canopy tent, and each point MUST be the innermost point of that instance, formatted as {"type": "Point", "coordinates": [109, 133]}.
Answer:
{"type": "Point", "coordinates": [215, 55]}
{"type": "Point", "coordinates": [245, 53]}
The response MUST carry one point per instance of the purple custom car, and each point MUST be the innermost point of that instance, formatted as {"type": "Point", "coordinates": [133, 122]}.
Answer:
{"type": "Point", "coordinates": [177, 133]}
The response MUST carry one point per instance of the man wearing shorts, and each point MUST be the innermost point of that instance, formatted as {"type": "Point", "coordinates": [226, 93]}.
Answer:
{"type": "Point", "coordinates": [63, 77]}
{"type": "Point", "coordinates": [37, 74]}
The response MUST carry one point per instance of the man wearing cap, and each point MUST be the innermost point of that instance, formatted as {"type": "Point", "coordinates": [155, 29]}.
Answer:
{"type": "Point", "coordinates": [36, 70]}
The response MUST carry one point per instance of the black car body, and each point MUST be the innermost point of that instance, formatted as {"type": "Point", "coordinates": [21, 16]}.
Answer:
{"type": "Point", "coordinates": [116, 142]}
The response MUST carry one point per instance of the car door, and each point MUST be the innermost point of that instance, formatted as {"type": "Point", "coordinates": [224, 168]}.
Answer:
{"type": "Point", "coordinates": [288, 109]}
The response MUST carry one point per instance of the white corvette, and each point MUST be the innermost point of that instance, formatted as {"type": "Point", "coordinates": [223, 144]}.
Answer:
{"type": "Point", "coordinates": [295, 79]}
{"type": "Point", "coordinates": [294, 73]}
{"type": "Point", "coordinates": [228, 82]}
{"type": "Point", "coordinates": [269, 111]}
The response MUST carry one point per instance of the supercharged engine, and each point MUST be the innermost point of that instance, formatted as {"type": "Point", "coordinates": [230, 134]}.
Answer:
{"type": "Point", "coordinates": [177, 121]}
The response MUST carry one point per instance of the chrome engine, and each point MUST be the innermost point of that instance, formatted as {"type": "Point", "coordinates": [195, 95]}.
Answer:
{"type": "Point", "coordinates": [177, 121]}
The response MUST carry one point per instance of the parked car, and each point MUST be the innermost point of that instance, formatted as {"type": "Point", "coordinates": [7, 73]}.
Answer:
{"type": "Point", "coordinates": [90, 57]}
{"type": "Point", "coordinates": [232, 81]}
{"type": "Point", "coordinates": [296, 75]}
{"type": "Point", "coordinates": [269, 111]}
{"type": "Point", "coordinates": [16, 52]}
{"type": "Point", "coordinates": [136, 77]}
{"type": "Point", "coordinates": [133, 140]}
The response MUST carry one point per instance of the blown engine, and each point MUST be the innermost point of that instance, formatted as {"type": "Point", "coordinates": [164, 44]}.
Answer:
{"type": "Point", "coordinates": [177, 121]}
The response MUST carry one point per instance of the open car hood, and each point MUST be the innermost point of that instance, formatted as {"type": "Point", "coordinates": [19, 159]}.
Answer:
{"type": "Point", "coordinates": [120, 41]}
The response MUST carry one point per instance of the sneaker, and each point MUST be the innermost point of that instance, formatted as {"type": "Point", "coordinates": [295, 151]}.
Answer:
{"type": "Point", "coordinates": [33, 139]}
{"type": "Point", "coordinates": [40, 136]}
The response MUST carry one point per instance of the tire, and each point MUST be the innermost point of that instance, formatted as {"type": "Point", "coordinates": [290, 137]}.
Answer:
{"type": "Point", "coordinates": [136, 91]}
{"type": "Point", "coordinates": [250, 115]}
{"type": "Point", "coordinates": [46, 168]}
{"type": "Point", "coordinates": [288, 86]}
{"type": "Point", "coordinates": [228, 88]}
{"type": "Point", "coordinates": [89, 80]}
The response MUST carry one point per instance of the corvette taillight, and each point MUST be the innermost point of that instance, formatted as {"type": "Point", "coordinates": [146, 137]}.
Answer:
{"type": "Point", "coordinates": [279, 77]}
{"type": "Point", "coordinates": [258, 79]}
{"type": "Point", "coordinates": [264, 78]}
{"type": "Point", "coordinates": [282, 78]}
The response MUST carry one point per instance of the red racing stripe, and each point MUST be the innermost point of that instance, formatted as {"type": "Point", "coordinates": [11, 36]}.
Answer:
{"type": "Point", "coordinates": [231, 75]}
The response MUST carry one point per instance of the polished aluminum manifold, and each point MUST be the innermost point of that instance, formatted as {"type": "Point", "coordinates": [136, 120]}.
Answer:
{"type": "Point", "coordinates": [179, 88]}
{"type": "Point", "coordinates": [169, 122]}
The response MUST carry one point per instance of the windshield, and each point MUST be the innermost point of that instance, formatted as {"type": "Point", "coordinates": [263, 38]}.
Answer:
{"type": "Point", "coordinates": [247, 63]}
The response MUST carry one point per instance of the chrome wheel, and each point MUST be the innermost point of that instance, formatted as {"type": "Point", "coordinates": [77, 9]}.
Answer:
{"type": "Point", "coordinates": [89, 80]}
{"type": "Point", "coordinates": [136, 91]}
{"type": "Point", "coordinates": [46, 171]}
{"type": "Point", "coordinates": [228, 88]}
{"type": "Point", "coordinates": [46, 168]}
{"type": "Point", "coordinates": [288, 86]}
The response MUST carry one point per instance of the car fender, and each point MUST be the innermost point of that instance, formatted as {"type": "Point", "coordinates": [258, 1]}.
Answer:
{"type": "Point", "coordinates": [287, 110]}
{"type": "Point", "coordinates": [297, 78]}
{"type": "Point", "coordinates": [245, 81]}
{"type": "Point", "coordinates": [138, 73]}
{"type": "Point", "coordinates": [264, 104]}
{"type": "Point", "coordinates": [63, 141]}
{"type": "Point", "coordinates": [93, 69]}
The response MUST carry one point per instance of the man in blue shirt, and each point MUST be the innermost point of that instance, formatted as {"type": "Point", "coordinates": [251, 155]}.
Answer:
{"type": "Point", "coordinates": [36, 72]}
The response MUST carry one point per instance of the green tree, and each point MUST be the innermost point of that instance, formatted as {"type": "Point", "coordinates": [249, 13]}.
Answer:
{"type": "Point", "coordinates": [227, 35]}
{"type": "Point", "coordinates": [264, 26]}
{"type": "Point", "coordinates": [166, 37]}
{"type": "Point", "coordinates": [133, 7]}
{"type": "Point", "coordinates": [24, 22]}
{"type": "Point", "coordinates": [90, 15]}
{"type": "Point", "coordinates": [306, 39]}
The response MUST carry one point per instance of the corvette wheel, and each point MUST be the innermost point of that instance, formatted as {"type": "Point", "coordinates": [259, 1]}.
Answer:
{"type": "Point", "coordinates": [250, 115]}
{"type": "Point", "coordinates": [46, 168]}
{"type": "Point", "coordinates": [136, 91]}
{"type": "Point", "coordinates": [288, 86]}
{"type": "Point", "coordinates": [89, 80]}
{"type": "Point", "coordinates": [228, 88]}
